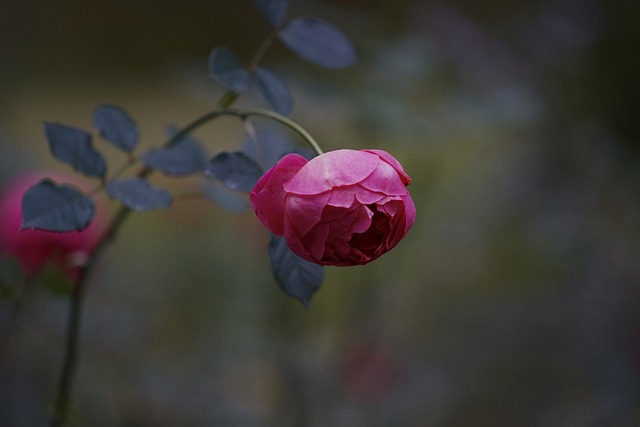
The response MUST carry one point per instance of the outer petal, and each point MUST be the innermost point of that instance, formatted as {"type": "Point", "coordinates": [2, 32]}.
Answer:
{"type": "Point", "coordinates": [333, 169]}
{"type": "Point", "coordinates": [393, 162]}
{"type": "Point", "coordinates": [385, 179]}
{"type": "Point", "coordinates": [304, 212]}
{"type": "Point", "coordinates": [315, 241]}
{"type": "Point", "coordinates": [409, 212]}
{"type": "Point", "coordinates": [268, 196]}
{"type": "Point", "coordinates": [295, 244]}
{"type": "Point", "coordinates": [367, 197]}
{"type": "Point", "coordinates": [342, 197]}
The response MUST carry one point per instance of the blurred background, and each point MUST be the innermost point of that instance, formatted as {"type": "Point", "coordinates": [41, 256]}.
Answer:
{"type": "Point", "coordinates": [513, 301]}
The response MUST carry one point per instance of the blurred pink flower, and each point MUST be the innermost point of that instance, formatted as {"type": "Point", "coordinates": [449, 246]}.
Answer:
{"type": "Point", "coordinates": [344, 207]}
{"type": "Point", "coordinates": [35, 248]}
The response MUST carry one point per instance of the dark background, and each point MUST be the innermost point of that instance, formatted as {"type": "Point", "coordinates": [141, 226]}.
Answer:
{"type": "Point", "coordinates": [514, 300]}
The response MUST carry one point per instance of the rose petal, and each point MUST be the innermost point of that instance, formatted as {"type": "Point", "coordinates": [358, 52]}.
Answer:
{"type": "Point", "coordinates": [391, 208]}
{"type": "Point", "coordinates": [356, 220]}
{"type": "Point", "coordinates": [385, 180]}
{"type": "Point", "coordinates": [304, 212]}
{"type": "Point", "coordinates": [315, 241]}
{"type": "Point", "coordinates": [368, 197]}
{"type": "Point", "coordinates": [342, 197]}
{"type": "Point", "coordinates": [295, 244]}
{"type": "Point", "coordinates": [393, 162]}
{"type": "Point", "coordinates": [333, 169]}
{"type": "Point", "coordinates": [409, 212]}
{"type": "Point", "coordinates": [340, 253]}
{"type": "Point", "coordinates": [332, 213]}
{"type": "Point", "coordinates": [268, 196]}
{"type": "Point", "coordinates": [362, 221]}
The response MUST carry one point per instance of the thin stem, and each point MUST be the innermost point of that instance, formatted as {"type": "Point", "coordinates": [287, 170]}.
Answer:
{"type": "Point", "coordinates": [63, 392]}
{"type": "Point", "coordinates": [243, 114]}
{"type": "Point", "coordinates": [230, 96]}
{"type": "Point", "coordinates": [282, 120]}
{"type": "Point", "coordinates": [262, 50]}
{"type": "Point", "coordinates": [61, 402]}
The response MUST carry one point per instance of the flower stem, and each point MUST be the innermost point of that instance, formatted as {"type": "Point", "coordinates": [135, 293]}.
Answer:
{"type": "Point", "coordinates": [243, 114]}
{"type": "Point", "coordinates": [230, 96]}
{"type": "Point", "coordinates": [63, 392]}
{"type": "Point", "coordinates": [61, 402]}
{"type": "Point", "coordinates": [283, 121]}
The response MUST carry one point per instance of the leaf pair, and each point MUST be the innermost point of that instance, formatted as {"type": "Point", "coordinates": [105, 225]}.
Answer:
{"type": "Point", "coordinates": [185, 156]}
{"type": "Point", "coordinates": [229, 72]}
{"type": "Point", "coordinates": [74, 146]}
{"type": "Point", "coordinates": [310, 38]}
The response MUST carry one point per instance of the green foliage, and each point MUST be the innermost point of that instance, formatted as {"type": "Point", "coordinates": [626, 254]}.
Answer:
{"type": "Point", "coordinates": [52, 207]}
{"type": "Point", "coordinates": [73, 146]}
{"type": "Point", "coordinates": [116, 126]}
{"type": "Point", "coordinates": [138, 195]}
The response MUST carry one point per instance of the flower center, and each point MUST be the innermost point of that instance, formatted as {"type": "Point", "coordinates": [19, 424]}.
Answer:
{"type": "Point", "coordinates": [371, 241]}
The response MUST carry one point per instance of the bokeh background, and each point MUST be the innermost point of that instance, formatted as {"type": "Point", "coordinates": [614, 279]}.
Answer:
{"type": "Point", "coordinates": [514, 300]}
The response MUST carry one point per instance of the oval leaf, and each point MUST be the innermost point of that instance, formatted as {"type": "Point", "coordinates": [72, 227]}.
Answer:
{"type": "Point", "coordinates": [318, 42]}
{"type": "Point", "coordinates": [73, 146]}
{"type": "Point", "coordinates": [235, 170]}
{"type": "Point", "coordinates": [183, 158]}
{"type": "Point", "coordinates": [297, 277]}
{"type": "Point", "coordinates": [116, 126]}
{"type": "Point", "coordinates": [273, 10]}
{"type": "Point", "coordinates": [226, 68]}
{"type": "Point", "coordinates": [274, 91]}
{"type": "Point", "coordinates": [52, 207]}
{"type": "Point", "coordinates": [138, 195]}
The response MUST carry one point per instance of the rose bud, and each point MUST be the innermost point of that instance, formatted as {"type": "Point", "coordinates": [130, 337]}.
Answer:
{"type": "Point", "coordinates": [344, 207]}
{"type": "Point", "coordinates": [35, 248]}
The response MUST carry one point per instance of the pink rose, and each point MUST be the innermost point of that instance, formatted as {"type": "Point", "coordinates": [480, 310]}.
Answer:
{"type": "Point", "coordinates": [344, 207]}
{"type": "Point", "coordinates": [34, 248]}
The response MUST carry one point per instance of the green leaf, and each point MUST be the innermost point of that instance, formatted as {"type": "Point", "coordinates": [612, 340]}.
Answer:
{"type": "Point", "coordinates": [52, 207]}
{"type": "Point", "coordinates": [116, 126]}
{"type": "Point", "coordinates": [235, 170]}
{"type": "Point", "coordinates": [297, 277]}
{"type": "Point", "coordinates": [227, 69]}
{"type": "Point", "coordinates": [138, 195]}
{"type": "Point", "coordinates": [73, 146]}
{"type": "Point", "coordinates": [318, 42]}
{"type": "Point", "coordinates": [185, 157]}
{"type": "Point", "coordinates": [273, 90]}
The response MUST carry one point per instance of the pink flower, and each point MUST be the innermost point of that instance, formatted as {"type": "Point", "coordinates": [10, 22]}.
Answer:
{"type": "Point", "coordinates": [344, 207]}
{"type": "Point", "coordinates": [35, 248]}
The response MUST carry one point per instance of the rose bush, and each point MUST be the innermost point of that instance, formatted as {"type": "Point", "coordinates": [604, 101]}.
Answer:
{"type": "Point", "coordinates": [344, 207]}
{"type": "Point", "coordinates": [34, 248]}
